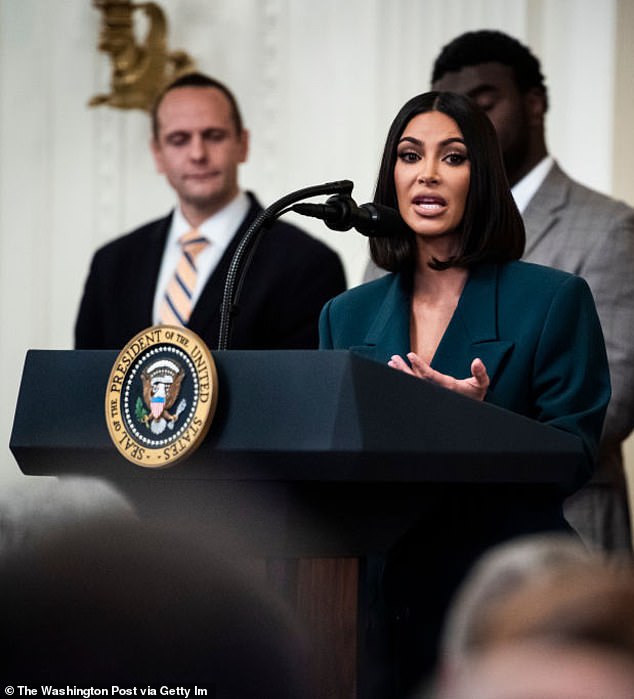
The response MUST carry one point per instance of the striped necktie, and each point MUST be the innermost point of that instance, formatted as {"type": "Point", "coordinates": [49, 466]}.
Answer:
{"type": "Point", "coordinates": [176, 307]}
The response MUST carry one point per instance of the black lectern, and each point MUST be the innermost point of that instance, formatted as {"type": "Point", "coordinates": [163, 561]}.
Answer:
{"type": "Point", "coordinates": [311, 455]}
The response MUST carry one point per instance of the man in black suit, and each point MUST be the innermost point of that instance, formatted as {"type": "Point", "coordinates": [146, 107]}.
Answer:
{"type": "Point", "coordinates": [198, 143]}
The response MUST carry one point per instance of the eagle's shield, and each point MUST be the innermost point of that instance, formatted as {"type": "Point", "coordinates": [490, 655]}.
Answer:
{"type": "Point", "coordinates": [157, 405]}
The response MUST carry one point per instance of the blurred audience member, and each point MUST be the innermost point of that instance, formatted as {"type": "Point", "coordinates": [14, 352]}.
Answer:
{"type": "Point", "coordinates": [31, 508]}
{"type": "Point", "coordinates": [139, 604]}
{"type": "Point", "coordinates": [497, 574]}
{"type": "Point", "coordinates": [541, 618]}
{"type": "Point", "coordinates": [531, 670]}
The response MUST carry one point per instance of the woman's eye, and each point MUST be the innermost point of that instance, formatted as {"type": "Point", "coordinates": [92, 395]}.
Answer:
{"type": "Point", "coordinates": [455, 158]}
{"type": "Point", "coordinates": [409, 156]}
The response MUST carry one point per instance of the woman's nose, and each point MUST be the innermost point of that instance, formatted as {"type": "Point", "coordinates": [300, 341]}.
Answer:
{"type": "Point", "coordinates": [428, 173]}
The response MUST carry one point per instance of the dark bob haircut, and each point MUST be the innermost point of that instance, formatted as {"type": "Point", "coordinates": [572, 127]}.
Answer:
{"type": "Point", "coordinates": [491, 229]}
{"type": "Point", "coordinates": [197, 80]}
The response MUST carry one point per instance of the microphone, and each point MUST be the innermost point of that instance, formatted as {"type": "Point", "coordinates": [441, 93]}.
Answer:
{"type": "Point", "coordinates": [341, 213]}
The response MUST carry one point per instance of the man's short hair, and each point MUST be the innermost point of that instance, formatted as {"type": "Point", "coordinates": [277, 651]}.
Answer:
{"type": "Point", "coordinates": [490, 46]}
{"type": "Point", "coordinates": [197, 80]}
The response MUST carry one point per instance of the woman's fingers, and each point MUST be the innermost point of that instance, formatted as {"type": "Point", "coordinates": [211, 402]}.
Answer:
{"type": "Point", "coordinates": [476, 386]}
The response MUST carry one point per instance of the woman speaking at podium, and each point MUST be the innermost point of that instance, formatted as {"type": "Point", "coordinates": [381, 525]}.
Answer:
{"type": "Point", "coordinates": [459, 309]}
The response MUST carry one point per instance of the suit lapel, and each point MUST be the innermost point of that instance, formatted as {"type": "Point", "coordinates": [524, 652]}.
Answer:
{"type": "Point", "coordinates": [389, 333]}
{"type": "Point", "coordinates": [542, 211]}
{"type": "Point", "coordinates": [472, 331]}
{"type": "Point", "coordinates": [147, 264]}
{"type": "Point", "coordinates": [205, 317]}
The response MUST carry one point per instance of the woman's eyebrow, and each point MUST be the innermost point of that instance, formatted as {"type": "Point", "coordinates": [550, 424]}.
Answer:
{"type": "Point", "coordinates": [418, 142]}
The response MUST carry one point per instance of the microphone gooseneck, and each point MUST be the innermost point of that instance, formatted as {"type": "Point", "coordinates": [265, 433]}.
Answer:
{"type": "Point", "coordinates": [341, 213]}
{"type": "Point", "coordinates": [241, 257]}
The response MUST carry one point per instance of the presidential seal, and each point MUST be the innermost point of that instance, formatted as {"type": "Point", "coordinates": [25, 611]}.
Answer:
{"type": "Point", "coordinates": [161, 396]}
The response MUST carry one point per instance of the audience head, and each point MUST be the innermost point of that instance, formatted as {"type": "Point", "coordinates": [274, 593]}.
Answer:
{"type": "Point", "coordinates": [491, 228]}
{"type": "Point", "coordinates": [32, 508]}
{"type": "Point", "coordinates": [526, 670]}
{"type": "Point", "coordinates": [544, 603]}
{"type": "Point", "coordinates": [589, 602]}
{"type": "Point", "coordinates": [505, 79]}
{"type": "Point", "coordinates": [140, 604]}
{"type": "Point", "coordinates": [198, 143]}
{"type": "Point", "coordinates": [496, 575]}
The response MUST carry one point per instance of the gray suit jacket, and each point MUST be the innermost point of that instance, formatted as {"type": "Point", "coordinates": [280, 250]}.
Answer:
{"type": "Point", "coordinates": [573, 228]}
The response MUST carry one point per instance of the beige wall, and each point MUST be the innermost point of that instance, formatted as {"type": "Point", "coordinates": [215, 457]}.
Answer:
{"type": "Point", "coordinates": [318, 83]}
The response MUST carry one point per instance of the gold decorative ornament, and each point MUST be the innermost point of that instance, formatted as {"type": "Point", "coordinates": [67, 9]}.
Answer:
{"type": "Point", "coordinates": [161, 396]}
{"type": "Point", "coordinates": [139, 70]}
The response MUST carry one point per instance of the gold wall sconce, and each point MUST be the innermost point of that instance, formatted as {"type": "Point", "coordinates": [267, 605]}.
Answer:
{"type": "Point", "coordinates": [139, 69]}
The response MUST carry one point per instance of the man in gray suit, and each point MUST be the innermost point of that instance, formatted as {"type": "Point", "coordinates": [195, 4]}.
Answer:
{"type": "Point", "coordinates": [570, 227]}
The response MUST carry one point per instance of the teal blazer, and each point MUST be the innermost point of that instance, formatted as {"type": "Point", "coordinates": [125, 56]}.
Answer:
{"type": "Point", "coordinates": [535, 328]}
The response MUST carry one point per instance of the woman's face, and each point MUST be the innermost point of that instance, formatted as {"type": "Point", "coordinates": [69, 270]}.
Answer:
{"type": "Point", "coordinates": [431, 175]}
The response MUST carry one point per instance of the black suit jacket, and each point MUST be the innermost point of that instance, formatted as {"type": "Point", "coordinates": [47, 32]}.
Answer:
{"type": "Point", "coordinates": [290, 278]}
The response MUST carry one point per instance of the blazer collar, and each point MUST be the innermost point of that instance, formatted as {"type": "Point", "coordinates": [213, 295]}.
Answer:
{"type": "Point", "coordinates": [472, 331]}
{"type": "Point", "coordinates": [544, 208]}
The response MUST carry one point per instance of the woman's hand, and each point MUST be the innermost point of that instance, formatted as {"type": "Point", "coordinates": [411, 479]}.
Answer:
{"type": "Point", "coordinates": [476, 386]}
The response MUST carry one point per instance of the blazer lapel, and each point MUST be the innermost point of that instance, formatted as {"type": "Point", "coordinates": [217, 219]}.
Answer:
{"type": "Point", "coordinates": [542, 211]}
{"type": "Point", "coordinates": [389, 334]}
{"type": "Point", "coordinates": [472, 331]}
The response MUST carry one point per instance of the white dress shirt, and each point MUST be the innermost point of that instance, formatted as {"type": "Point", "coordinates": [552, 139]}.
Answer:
{"type": "Point", "coordinates": [525, 189]}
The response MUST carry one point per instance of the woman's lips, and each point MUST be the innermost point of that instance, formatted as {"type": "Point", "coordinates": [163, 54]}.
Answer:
{"type": "Point", "coordinates": [429, 204]}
